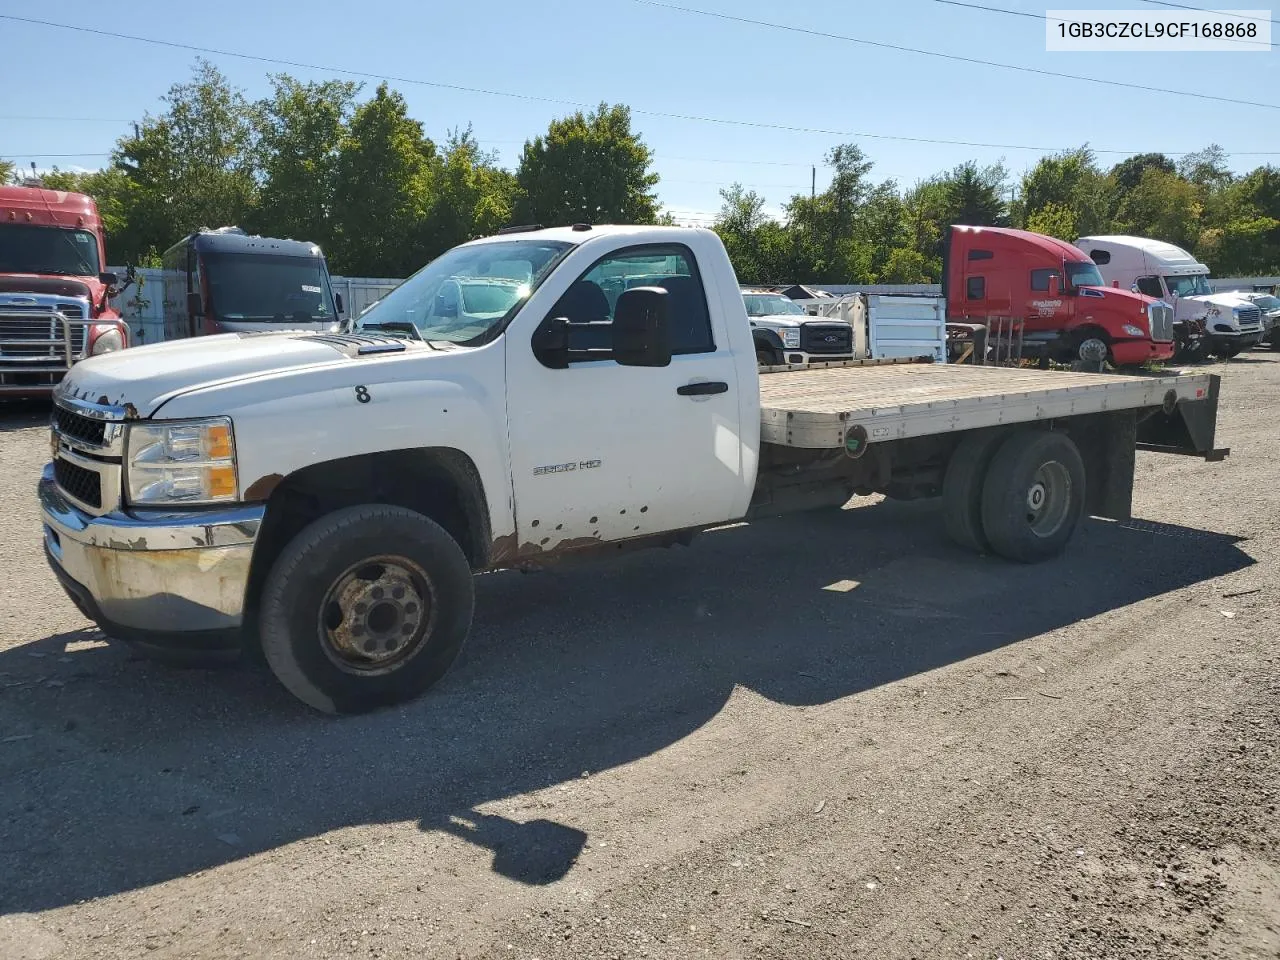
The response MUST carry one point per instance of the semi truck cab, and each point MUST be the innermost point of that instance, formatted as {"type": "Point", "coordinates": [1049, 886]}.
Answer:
{"type": "Point", "coordinates": [1231, 323]}
{"type": "Point", "coordinates": [54, 291]}
{"type": "Point", "coordinates": [1068, 311]}
{"type": "Point", "coordinates": [225, 281]}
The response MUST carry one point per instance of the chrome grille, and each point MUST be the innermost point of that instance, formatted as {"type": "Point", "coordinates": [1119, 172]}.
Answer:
{"type": "Point", "coordinates": [1161, 317]}
{"type": "Point", "coordinates": [76, 426]}
{"type": "Point", "coordinates": [36, 327]}
{"type": "Point", "coordinates": [1249, 318]}
{"type": "Point", "coordinates": [88, 449]}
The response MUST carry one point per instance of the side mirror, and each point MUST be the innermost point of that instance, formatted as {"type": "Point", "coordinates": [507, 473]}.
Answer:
{"type": "Point", "coordinates": [640, 334]}
{"type": "Point", "coordinates": [551, 343]}
{"type": "Point", "coordinates": [337, 298]}
{"type": "Point", "coordinates": [1055, 288]}
{"type": "Point", "coordinates": [195, 307]}
{"type": "Point", "coordinates": [108, 279]}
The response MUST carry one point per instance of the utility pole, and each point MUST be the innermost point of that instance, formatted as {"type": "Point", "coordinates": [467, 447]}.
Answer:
{"type": "Point", "coordinates": [813, 181]}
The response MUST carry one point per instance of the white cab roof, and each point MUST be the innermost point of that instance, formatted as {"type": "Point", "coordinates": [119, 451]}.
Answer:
{"type": "Point", "coordinates": [1159, 257]}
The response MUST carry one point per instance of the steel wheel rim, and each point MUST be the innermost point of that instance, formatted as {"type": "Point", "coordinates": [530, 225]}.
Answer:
{"type": "Point", "coordinates": [1048, 500]}
{"type": "Point", "coordinates": [376, 615]}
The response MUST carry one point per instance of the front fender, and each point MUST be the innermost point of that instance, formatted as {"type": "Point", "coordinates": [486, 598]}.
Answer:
{"type": "Point", "coordinates": [285, 422]}
{"type": "Point", "coordinates": [763, 337]}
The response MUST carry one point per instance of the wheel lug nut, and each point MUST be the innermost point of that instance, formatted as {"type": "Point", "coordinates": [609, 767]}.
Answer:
{"type": "Point", "coordinates": [398, 593]}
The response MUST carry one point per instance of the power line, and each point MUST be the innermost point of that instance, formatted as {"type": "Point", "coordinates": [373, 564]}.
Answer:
{"type": "Point", "coordinates": [757, 124]}
{"type": "Point", "coordinates": [952, 56]}
{"type": "Point", "coordinates": [1046, 19]}
{"type": "Point", "coordinates": [1224, 13]}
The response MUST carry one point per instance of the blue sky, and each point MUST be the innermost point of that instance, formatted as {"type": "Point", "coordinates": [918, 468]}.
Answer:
{"type": "Point", "coordinates": [657, 60]}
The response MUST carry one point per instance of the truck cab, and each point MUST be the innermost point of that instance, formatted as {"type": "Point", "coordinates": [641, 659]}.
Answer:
{"type": "Point", "coordinates": [54, 291]}
{"type": "Point", "coordinates": [225, 281]}
{"type": "Point", "coordinates": [1231, 323]}
{"type": "Point", "coordinates": [785, 334]}
{"type": "Point", "coordinates": [1068, 313]}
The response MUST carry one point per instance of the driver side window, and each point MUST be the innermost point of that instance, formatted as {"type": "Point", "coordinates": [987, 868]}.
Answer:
{"type": "Point", "coordinates": [593, 297]}
{"type": "Point", "coordinates": [1150, 286]}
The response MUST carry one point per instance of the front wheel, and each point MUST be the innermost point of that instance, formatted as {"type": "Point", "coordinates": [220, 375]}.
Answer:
{"type": "Point", "coordinates": [366, 607]}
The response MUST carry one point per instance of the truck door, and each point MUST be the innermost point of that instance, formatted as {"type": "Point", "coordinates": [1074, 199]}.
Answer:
{"type": "Point", "coordinates": [607, 452]}
{"type": "Point", "coordinates": [1045, 312]}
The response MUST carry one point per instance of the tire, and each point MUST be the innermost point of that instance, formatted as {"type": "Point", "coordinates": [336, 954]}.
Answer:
{"type": "Point", "coordinates": [365, 608]}
{"type": "Point", "coordinates": [767, 358]}
{"type": "Point", "coordinates": [1033, 464]}
{"type": "Point", "coordinates": [962, 489]}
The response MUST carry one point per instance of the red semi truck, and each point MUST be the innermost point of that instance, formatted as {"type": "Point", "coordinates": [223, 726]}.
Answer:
{"type": "Point", "coordinates": [1068, 313]}
{"type": "Point", "coordinates": [54, 308]}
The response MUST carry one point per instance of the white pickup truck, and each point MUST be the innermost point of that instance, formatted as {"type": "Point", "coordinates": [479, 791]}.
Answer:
{"type": "Point", "coordinates": [325, 498]}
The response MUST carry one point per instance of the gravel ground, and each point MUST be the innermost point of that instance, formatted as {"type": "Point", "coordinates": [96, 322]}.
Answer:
{"type": "Point", "coordinates": [697, 752]}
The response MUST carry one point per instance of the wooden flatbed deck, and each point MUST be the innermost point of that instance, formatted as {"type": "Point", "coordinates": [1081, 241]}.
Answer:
{"type": "Point", "coordinates": [816, 407]}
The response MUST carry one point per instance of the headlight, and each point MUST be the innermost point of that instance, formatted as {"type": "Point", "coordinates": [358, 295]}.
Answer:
{"type": "Point", "coordinates": [109, 341]}
{"type": "Point", "coordinates": [1133, 331]}
{"type": "Point", "coordinates": [191, 461]}
{"type": "Point", "coordinates": [790, 337]}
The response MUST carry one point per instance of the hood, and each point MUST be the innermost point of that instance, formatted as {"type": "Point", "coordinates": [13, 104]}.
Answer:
{"type": "Point", "coordinates": [1228, 300]}
{"type": "Point", "coordinates": [783, 319]}
{"type": "Point", "coordinates": [1117, 296]}
{"type": "Point", "coordinates": [56, 286]}
{"type": "Point", "coordinates": [145, 377]}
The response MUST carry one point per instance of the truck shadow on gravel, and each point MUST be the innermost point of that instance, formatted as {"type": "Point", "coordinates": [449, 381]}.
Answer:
{"type": "Point", "coordinates": [119, 774]}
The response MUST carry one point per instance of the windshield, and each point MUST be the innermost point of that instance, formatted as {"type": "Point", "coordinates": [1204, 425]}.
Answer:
{"type": "Point", "coordinates": [253, 286]}
{"type": "Point", "coordinates": [770, 305]}
{"type": "Point", "coordinates": [1084, 275]}
{"type": "Point", "coordinates": [1193, 285]}
{"type": "Point", "coordinates": [466, 293]}
{"type": "Point", "coordinates": [1267, 302]}
{"type": "Point", "coordinates": [53, 250]}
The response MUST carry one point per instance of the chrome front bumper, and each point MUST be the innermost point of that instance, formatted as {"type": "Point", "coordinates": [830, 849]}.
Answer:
{"type": "Point", "coordinates": [152, 573]}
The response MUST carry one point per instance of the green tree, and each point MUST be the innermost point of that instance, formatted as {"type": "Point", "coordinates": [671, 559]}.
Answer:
{"type": "Point", "coordinates": [192, 166]}
{"type": "Point", "coordinates": [1206, 168]}
{"type": "Point", "coordinates": [382, 190]}
{"type": "Point", "coordinates": [973, 195]}
{"type": "Point", "coordinates": [299, 128]}
{"type": "Point", "coordinates": [1127, 174]}
{"type": "Point", "coordinates": [1242, 233]}
{"type": "Point", "coordinates": [1055, 219]}
{"type": "Point", "coordinates": [473, 195]}
{"type": "Point", "coordinates": [1164, 206]}
{"type": "Point", "coordinates": [739, 224]}
{"type": "Point", "coordinates": [1071, 181]}
{"type": "Point", "coordinates": [8, 171]}
{"type": "Point", "coordinates": [588, 168]}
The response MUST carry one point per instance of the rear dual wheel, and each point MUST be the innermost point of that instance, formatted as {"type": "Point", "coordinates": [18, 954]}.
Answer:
{"type": "Point", "coordinates": [1019, 495]}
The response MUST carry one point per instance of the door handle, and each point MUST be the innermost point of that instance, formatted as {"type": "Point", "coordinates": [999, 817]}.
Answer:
{"type": "Point", "coordinates": [703, 389]}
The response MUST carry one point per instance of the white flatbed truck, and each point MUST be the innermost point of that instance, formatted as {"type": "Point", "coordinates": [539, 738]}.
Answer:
{"type": "Point", "coordinates": [326, 498]}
